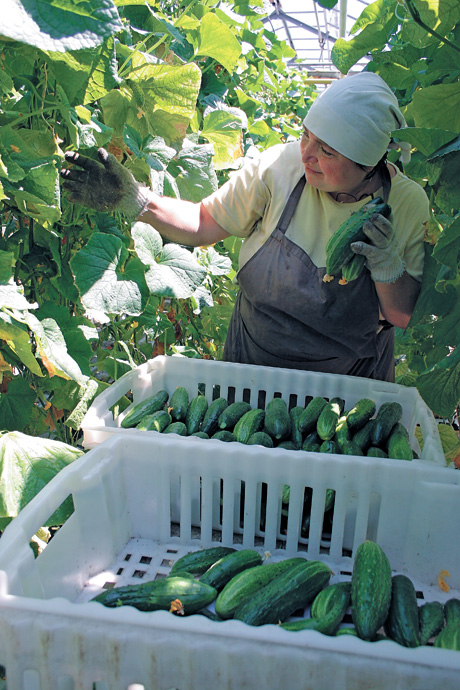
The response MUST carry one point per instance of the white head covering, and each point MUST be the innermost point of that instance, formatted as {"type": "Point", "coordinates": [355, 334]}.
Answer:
{"type": "Point", "coordinates": [355, 116]}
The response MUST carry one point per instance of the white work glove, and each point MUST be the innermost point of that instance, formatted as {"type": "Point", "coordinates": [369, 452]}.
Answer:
{"type": "Point", "coordinates": [382, 256]}
{"type": "Point", "coordinates": [105, 185]}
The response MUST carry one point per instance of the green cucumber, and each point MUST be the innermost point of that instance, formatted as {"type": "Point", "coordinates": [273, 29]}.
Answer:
{"type": "Point", "coordinates": [327, 611]}
{"type": "Point", "coordinates": [230, 565]}
{"type": "Point", "coordinates": [277, 420]}
{"type": "Point", "coordinates": [328, 447]}
{"type": "Point", "coordinates": [449, 637]}
{"type": "Point", "coordinates": [338, 248]}
{"type": "Point", "coordinates": [159, 595]}
{"type": "Point", "coordinates": [360, 414]}
{"type": "Point", "coordinates": [402, 623]}
{"type": "Point", "coordinates": [311, 442]}
{"type": "Point", "coordinates": [210, 423]}
{"type": "Point", "coordinates": [350, 448]}
{"type": "Point", "coordinates": [195, 414]}
{"type": "Point", "coordinates": [342, 432]}
{"type": "Point", "coordinates": [157, 421]}
{"type": "Point", "coordinates": [375, 452]}
{"type": "Point", "coordinates": [224, 435]}
{"type": "Point", "coordinates": [293, 589]}
{"type": "Point", "coordinates": [370, 589]}
{"type": "Point", "coordinates": [260, 438]}
{"type": "Point", "coordinates": [251, 422]}
{"type": "Point", "coordinates": [388, 414]}
{"type": "Point", "coordinates": [328, 418]}
{"type": "Point", "coordinates": [431, 619]}
{"type": "Point", "coordinates": [309, 417]}
{"type": "Point", "coordinates": [287, 445]}
{"type": "Point", "coordinates": [296, 434]}
{"type": "Point", "coordinates": [231, 414]}
{"type": "Point", "coordinates": [200, 434]}
{"type": "Point", "coordinates": [362, 437]}
{"type": "Point", "coordinates": [352, 269]}
{"type": "Point", "coordinates": [197, 562]}
{"type": "Point", "coordinates": [176, 428]}
{"type": "Point", "coordinates": [243, 585]}
{"type": "Point", "coordinates": [143, 408]}
{"type": "Point", "coordinates": [178, 404]}
{"type": "Point", "coordinates": [398, 444]}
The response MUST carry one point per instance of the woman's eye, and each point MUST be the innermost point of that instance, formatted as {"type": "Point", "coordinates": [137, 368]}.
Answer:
{"type": "Point", "coordinates": [326, 152]}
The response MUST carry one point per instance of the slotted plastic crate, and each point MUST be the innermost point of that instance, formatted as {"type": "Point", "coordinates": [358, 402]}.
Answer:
{"type": "Point", "coordinates": [125, 493]}
{"type": "Point", "coordinates": [257, 386]}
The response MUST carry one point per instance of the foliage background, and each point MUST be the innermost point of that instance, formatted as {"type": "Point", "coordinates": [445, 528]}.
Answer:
{"type": "Point", "coordinates": [180, 93]}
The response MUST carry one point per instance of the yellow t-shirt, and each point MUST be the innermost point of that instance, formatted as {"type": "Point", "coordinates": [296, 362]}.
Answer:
{"type": "Point", "coordinates": [250, 204]}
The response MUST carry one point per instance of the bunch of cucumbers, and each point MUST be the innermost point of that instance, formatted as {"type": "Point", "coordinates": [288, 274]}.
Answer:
{"type": "Point", "coordinates": [242, 587]}
{"type": "Point", "coordinates": [322, 426]}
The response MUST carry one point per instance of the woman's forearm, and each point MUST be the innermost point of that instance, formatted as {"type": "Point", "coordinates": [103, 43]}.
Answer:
{"type": "Point", "coordinates": [182, 221]}
{"type": "Point", "coordinates": [397, 300]}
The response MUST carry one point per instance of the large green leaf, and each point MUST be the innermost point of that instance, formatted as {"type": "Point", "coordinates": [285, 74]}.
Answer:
{"type": "Point", "coordinates": [27, 464]}
{"type": "Point", "coordinates": [52, 349]}
{"type": "Point", "coordinates": [16, 405]}
{"type": "Point", "coordinates": [59, 25]}
{"type": "Point", "coordinates": [440, 386]}
{"type": "Point", "coordinates": [11, 294]}
{"type": "Point", "coordinates": [425, 139]}
{"type": "Point", "coordinates": [86, 75]}
{"type": "Point", "coordinates": [216, 40]}
{"type": "Point", "coordinates": [437, 106]}
{"type": "Point", "coordinates": [172, 270]}
{"type": "Point", "coordinates": [193, 171]}
{"type": "Point", "coordinates": [17, 338]}
{"type": "Point", "coordinates": [223, 130]}
{"type": "Point", "coordinates": [109, 281]}
{"type": "Point", "coordinates": [440, 15]}
{"type": "Point", "coordinates": [430, 301]}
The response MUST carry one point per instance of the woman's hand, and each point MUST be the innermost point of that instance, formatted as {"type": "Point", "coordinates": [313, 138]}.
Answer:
{"type": "Point", "coordinates": [103, 185]}
{"type": "Point", "coordinates": [382, 257]}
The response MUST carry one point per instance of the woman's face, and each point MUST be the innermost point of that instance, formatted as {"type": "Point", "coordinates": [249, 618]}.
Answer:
{"type": "Point", "coordinates": [328, 170]}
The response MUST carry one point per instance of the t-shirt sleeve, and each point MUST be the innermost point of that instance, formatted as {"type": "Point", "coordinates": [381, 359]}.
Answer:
{"type": "Point", "coordinates": [240, 203]}
{"type": "Point", "coordinates": [411, 213]}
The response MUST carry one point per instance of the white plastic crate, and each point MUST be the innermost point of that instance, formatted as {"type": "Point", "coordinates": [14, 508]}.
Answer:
{"type": "Point", "coordinates": [256, 385]}
{"type": "Point", "coordinates": [53, 638]}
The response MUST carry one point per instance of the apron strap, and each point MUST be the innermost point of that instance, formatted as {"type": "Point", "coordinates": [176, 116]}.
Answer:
{"type": "Point", "coordinates": [291, 205]}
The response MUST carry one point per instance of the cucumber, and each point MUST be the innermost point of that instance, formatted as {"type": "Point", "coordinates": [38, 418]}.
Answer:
{"type": "Point", "coordinates": [362, 437]}
{"type": "Point", "coordinates": [309, 417]}
{"type": "Point", "coordinates": [328, 418]}
{"type": "Point", "coordinates": [224, 435]}
{"type": "Point", "coordinates": [197, 562]}
{"type": "Point", "coordinates": [350, 448]}
{"type": "Point", "coordinates": [293, 589]}
{"type": "Point", "coordinates": [398, 444]}
{"type": "Point", "coordinates": [338, 248]}
{"type": "Point", "coordinates": [157, 421]}
{"type": "Point", "coordinates": [277, 420]}
{"type": "Point", "coordinates": [352, 269]}
{"type": "Point", "coordinates": [141, 409]}
{"type": "Point", "coordinates": [176, 428]}
{"type": "Point", "coordinates": [388, 414]}
{"type": "Point", "coordinates": [402, 623]}
{"type": "Point", "coordinates": [449, 637]}
{"type": "Point", "coordinates": [370, 589]}
{"type": "Point", "coordinates": [342, 432]}
{"type": "Point", "coordinates": [328, 447]}
{"type": "Point", "coordinates": [360, 414]}
{"type": "Point", "coordinates": [243, 585]}
{"type": "Point", "coordinates": [199, 434]}
{"type": "Point", "coordinates": [232, 413]}
{"type": "Point", "coordinates": [287, 445]}
{"type": "Point", "coordinates": [327, 611]}
{"type": "Point", "coordinates": [248, 424]}
{"type": "Point", "coordinates": [159, 595]}
{"type": "Point", "coordinates": [210, 423]}
{"type": "Point", "coordinates": [260, 438]}
{"type": "Point", "coordinates": [431, 619]}
{"type": "Point", "coordinates": [375, 452]}
{"type": "Point", "coordinates": [312, 442]}
{"type": "Point", "coordinates": [230, 565]}
{"type": "Point", "coordinates": [296, 434]}
{"type": "Point", "coordinates": [178, 404]}
{"type": "Point", "coordinates": [195, 414]}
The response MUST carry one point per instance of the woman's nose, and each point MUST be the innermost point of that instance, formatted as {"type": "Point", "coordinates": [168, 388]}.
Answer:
{"type": "Point", "coordinates": [308, 151]}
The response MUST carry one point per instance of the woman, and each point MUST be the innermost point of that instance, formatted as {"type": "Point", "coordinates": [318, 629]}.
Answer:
{"type": "Point", "coordinates": [286, 204]}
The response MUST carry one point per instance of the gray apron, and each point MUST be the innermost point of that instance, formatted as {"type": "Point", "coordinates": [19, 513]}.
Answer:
{"type": "Point", "coordinates": [286, 316]}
